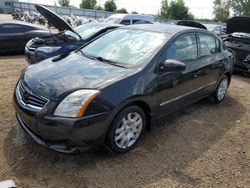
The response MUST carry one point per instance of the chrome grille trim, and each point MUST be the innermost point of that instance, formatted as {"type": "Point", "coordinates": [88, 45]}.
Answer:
{"type": "Point", "coordinates": [34, 101]}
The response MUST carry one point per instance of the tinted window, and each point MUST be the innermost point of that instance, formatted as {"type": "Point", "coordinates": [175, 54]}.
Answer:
{"type": "Point", "coordinates": [184, 49]}
{"type": "Point", "coordinates": [208, 45]}
{"type": "Point", "coordinates": [125, 22]}
{"type": "Point", "coordinates": [134, 21]}
{"type": "Point", "coordinates": [14, 28]}
{"type": "Point", "coordinates": [141, 22]}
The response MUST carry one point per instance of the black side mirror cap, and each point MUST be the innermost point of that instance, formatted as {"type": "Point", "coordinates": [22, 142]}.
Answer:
{"type": "Point", "coordinates": [171, 65]}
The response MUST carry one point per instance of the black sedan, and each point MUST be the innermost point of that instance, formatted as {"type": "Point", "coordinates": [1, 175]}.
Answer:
{"type": "Point", "coordinates": [15, 34]}
{"type": "Point", "coordinates": [238, 40]}
{"type": "Point", "coordinates": [112, 89]}
{"type": "Point", "coordinates": [67, 40]}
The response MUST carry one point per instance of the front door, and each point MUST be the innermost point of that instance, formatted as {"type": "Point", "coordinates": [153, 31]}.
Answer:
{"type": "Point", "coordinates": [178, 89]}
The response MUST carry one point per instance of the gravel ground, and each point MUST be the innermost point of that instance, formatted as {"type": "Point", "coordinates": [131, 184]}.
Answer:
{"type": "Point", "coordinates": [203, 145]}
{"type": "Point", "coordinates": [5, 16]}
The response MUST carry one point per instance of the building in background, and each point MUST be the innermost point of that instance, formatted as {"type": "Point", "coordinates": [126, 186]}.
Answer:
{"type": "Point", "coordinates": [6, 6]}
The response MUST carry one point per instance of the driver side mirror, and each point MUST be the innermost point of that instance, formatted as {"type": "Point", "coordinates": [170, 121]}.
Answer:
{"type": "Point", "coordinates": [171, 65]}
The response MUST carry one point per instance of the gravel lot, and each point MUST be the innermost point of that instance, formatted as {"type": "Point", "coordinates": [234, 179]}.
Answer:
{"type": "Point", "coordinates": [203, 145]}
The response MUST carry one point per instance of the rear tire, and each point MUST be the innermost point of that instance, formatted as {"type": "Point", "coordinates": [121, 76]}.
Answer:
{"type": "Point", "coordinates": [221, 89]}
{"type": "Point", "coordinates": [126, 130]}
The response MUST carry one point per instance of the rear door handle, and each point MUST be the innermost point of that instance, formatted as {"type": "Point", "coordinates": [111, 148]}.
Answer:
{"type": "Point", "coordinates": [195, 75]}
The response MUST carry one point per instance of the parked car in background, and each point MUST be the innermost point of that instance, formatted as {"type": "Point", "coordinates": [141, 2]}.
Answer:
{"type": "Point", "coordinates": [219, 30]}
{"type": "Point", "coordinates": [110, 90]}
{"type": "Point", "coordinates": [238, 39]}
{"type": "Point", "coordinates": [191, 24]}
{"type": "Point", "coordinates": [67, 40]}
{"type": "Point", "coordinates": [15, 34]}
{"type": "Point", "coordinates": [129, 19]}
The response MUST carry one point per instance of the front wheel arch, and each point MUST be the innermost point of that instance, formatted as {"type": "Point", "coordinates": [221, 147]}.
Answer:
{"type": "Point", "coordinates": [110, 142]}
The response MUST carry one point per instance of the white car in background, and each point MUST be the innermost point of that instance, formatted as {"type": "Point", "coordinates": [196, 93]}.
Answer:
{"type": "Point", "coordinates": [130, 19]}
{"type": "Point", "coordinates": [217, 29]}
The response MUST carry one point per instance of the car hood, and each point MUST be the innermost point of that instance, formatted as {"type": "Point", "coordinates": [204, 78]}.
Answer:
{"type": "Point", "coordinates": [238, 24]}
{"type": "Point", "coordinates": [54, 19]}
{"type": "Point", "coordinates": [191, 24]}
{"type": "Point", "coordinates": [56, 79]}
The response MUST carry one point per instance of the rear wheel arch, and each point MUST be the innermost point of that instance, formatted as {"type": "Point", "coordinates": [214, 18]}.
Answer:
{"type": "Point", "coordinates": [229, 75]}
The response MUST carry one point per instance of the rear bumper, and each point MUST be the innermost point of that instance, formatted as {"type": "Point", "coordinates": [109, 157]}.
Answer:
{"type": "Point", "coordinates": [66, 135]}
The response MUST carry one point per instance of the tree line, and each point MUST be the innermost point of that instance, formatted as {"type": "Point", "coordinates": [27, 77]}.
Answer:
{"type": "Point", "coordinates": [109, 5]}
{"type": "Point", "coordinates": [222, 9]}
{"type": "Point", "coordinates": [176, 9]}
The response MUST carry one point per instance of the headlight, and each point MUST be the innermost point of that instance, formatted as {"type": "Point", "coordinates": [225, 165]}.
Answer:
{"type": "Point", "coordinates": [75, 104]}
{"type": "Point", "coordinates": [48, 49]}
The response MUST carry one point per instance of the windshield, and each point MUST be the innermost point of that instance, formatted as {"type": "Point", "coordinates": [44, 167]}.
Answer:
{"type": "Point", "coordinates": [128, 47]}
{"type": "Point", "coordinates": [112, 20]}
{"type": "Point", "coordinates": [86, 30]}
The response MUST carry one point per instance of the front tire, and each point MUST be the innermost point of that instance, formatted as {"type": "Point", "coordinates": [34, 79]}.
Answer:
{"type": "Point", "coordinates": [221, 89]}
{"type": "Point", "coordinates": [126, 129]}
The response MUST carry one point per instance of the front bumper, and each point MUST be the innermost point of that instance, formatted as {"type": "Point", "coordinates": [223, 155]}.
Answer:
{"type": "Point", "coordinates": [66, 135]}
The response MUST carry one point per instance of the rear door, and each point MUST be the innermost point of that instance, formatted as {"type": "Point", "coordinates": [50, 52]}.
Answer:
{"type": "Point", "coordinates": [178, 89]}
{"type": "Point", "coordinates": [212, 61]}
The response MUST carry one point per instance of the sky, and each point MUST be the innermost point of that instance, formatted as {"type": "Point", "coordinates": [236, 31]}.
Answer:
{"type": "Point", "coordinates": [199, 8]}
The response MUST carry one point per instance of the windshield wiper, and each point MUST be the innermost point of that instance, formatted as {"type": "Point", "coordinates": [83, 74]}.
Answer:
{"type": "Point", "coordinates": [110, 62]}
{"type": "Point", "coordinates": [102, 60]}
{"type": "Point", "coordinates": [88, 56]}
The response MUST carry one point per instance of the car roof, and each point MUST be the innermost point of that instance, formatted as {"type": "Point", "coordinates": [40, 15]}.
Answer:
{"type": "Point", "coordinates": [163, 28]}
{"type": "Point", "coordinates": [21, 23]}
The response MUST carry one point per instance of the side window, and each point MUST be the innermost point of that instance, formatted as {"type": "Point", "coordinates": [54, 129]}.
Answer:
{"type": "Point", "coordinates": [125, 22]}
{"type": "Point", "coordinates": [184, 49]}
{"type": "Point", "coordinates": [134, 21]}
{"type": "Point", "coordinates": [14, 28]}
{"type": "Point", "coordinates": [208, 45]}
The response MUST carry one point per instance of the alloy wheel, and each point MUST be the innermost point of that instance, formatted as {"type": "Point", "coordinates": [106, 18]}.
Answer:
{"type": "Point", "coordinates": [222, 89]}
{"type": "Point", "coordinates": [128, 130]}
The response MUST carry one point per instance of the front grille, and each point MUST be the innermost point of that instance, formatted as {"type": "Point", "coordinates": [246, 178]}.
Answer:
{"type": "Point", "coordinates": [30, 99]}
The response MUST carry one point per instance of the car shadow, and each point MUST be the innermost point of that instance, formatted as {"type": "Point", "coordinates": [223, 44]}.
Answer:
{"type": "Point", "coordinates": [170, 147]}
{"type": "Point", "coordinates": [11, 53]}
